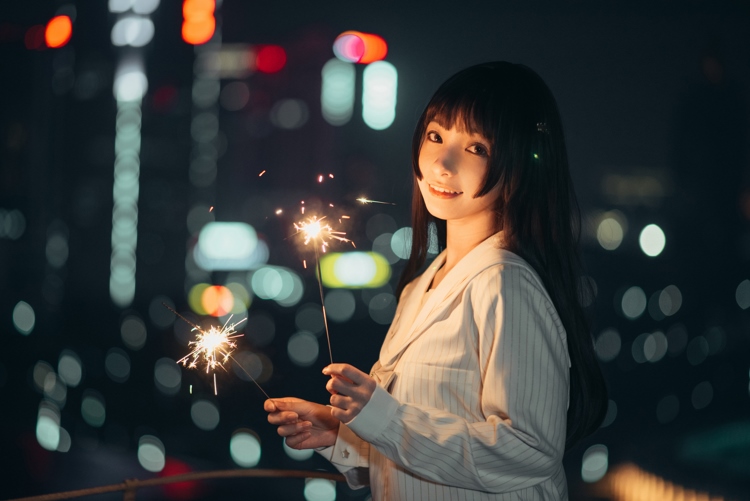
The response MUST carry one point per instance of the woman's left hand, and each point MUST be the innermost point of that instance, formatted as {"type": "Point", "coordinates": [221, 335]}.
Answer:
{"type": "Point", "coordinates": [350, 390]}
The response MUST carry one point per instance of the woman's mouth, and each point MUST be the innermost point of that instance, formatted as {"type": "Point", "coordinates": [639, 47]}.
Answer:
{"type": "Point", "coordinates": [440, 192]}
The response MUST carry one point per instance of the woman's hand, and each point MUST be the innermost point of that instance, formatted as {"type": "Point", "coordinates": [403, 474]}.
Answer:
{"type": "Point", "coordinates": [350, 390]}
{"type": "Point", "coordinates": [304, 425]}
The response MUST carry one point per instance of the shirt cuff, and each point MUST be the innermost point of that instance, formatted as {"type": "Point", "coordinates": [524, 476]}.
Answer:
{"type": "Point", "coordinates": [375, 416]}
{"type": "Point", "coordinates": [349, 451]}
{"type": "Point", "coordinates": [326, 452]}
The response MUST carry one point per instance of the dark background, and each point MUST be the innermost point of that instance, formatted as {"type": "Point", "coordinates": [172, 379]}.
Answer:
{"type": "Point", "coordinates": [654, 97]}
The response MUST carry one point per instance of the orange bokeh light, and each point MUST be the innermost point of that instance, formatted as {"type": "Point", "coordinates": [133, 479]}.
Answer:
{"type": "Point", "coordinates": [217, 300]}
{"type": "Point", "coordinates": [199, 24]}
{"type": "Point", "coordinates": [58, 31]}
{"type": "Point", "coordinates": [358, 47]}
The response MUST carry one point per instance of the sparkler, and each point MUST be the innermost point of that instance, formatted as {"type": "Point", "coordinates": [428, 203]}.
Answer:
{"type": "Point", "coordinates": [214, 348]}
{"type": "Point", "coordinates": [368, 201]}
{"type": "Point", "coordinates": [320, 233]}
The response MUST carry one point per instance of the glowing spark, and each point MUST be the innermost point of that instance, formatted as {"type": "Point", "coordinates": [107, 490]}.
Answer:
{"type": "Point", "coordinates": [345, 217]}
{"type": "Point", "coordinates": [330, 205]}
{"type": "Point", "coordinates": [330, 175]}
{"type": "Point", "coordinates": [279, 211]}
{"type": "Point", "coordinates": [211, 208]}
{"type": "Point", "coordinates": [304, 263]}
{"type": "Point", "coordinates": [368, 201]}
{"type": "Point", "coordinates": [263, 172]}
{"type": "Point", "coordinates": [320, 178]}
{"type": "Point", "coordinates": [313, 228]}
{"type": "Point", "coordinates": [213, 347]}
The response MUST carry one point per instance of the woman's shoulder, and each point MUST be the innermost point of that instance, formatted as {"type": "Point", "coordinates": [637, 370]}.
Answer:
{"type": "Point", "coordinates": [509, 272]}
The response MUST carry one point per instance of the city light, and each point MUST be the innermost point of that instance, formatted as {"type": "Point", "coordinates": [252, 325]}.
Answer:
{"type": "Point", "coordinates": [379, 84]}
{"type": "Point", "coordinates": [337, 92]}
{"type": "Point", "coordinates": [358, 47]}
{"type": "Point", "coordinates": [58, 32]}
{"type": "Point", "coordinates": [198, 23]}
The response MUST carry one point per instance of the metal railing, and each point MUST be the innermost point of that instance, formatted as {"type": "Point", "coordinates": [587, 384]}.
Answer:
{"type": "Point", "coordinates": [130, 487]}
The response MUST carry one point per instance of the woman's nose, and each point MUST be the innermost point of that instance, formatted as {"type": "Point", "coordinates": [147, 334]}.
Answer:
{"type": "Point", "coordinates": [445, 162]}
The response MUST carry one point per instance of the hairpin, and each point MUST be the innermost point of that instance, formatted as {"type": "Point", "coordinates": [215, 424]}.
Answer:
{"type": "Point", "coordinates": [542, 127]}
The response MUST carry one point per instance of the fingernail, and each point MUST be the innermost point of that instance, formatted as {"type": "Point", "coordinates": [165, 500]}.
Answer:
{"type": "Point", "coordinates": [325, 370]}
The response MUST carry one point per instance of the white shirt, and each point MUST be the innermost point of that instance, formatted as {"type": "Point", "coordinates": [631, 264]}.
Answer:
{"type": "Point", "coordinates": [473, 390]}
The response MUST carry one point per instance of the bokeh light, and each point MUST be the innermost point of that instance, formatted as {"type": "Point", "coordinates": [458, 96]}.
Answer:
{"type": "Point", "coordinates": [337, 92]}
{"type": "Point", "coordinates": [309, 318]}
{"type": "Point", "coordinates": [234, 96]}
{"type": "Point", "coordinates": [303, 348]}
{"type": "Point", "coordinates": [611, 230]}
{"type": "Point", "coordinates": [205, 415]}
{"type": "Point", "coordinates": [702, 395]}
{"type": "Point", "coordinates": [608, 345]}
{"type": "Point", "coordinates": [289, 114]}
{"type": "Point", "coordinates": [611, 414]}
{"type": "Point", "coordinates": [24, 318]}
{"type": "Point", "coordinates": [39, 374]}
{"type": "Point", "coordinates": [48, 426]}
{"type": "Point", "coordinates": [244, 447]}
{"type": "Point", "coordinates": [198, 24]}
{"type": "Point", "coordinates": [652, 240]}
{"type": "Point", "coordinates": [297, 454]}
{"type": "Point", "coordinates": [258, 365]}
{"type": "Point", "coordinates": [697, 350]}
{"type": "Point", "coordinates": [226, 246]}
{"type": "Point", "coordinates": [354, 270]}
{"type": "Point", "coordinates": [319, 489]}
{"type": "Point", "coordinates": [633, 302]}
{"type": "Point", "coordinates": [742, 294]}
{"type": "Point", "coordinates": [135, 31]}
{"type": "Point", "coordinates": [151, 453]}
{"type": "Point", "coordinates": [379, 90]}
{"type": "Point", "coordinates": [58, 31]}
{"type": "Point", "coordinates": [167, 376]}
{"type": "Point", "coordinates": [270, 59]}
{"type": "Point", "coordinates": [277, 283]}
{"type": "Point", "coordinates": [217, 300]}
{"type": "Point", "coordinates": [382, 308]}
{"type": "Point", "coordinates": [93, 409]}
{"type": "Point", "coordinates": [133, 331]}
{"type": "Point", "coordinates": [117, 365]}
{"type": "Point", "coordinates": [595, 463]}
{"type": "Point", "coordinates": [358, 47]}
{"type": "Point", "coordinates": [70, 369]}
{"type": "Point", "coordinates": [340, 305]}
{"type": "Point", "coordinates": [401, 242]}
{"type": "Point", "coordinates": [670, 300]}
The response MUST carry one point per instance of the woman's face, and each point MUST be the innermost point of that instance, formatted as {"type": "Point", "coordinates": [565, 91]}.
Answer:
{"type": "Point", "coordinates": [454, 165]}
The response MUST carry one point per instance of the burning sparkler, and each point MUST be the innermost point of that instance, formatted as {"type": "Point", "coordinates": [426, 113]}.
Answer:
{"type": "Point", "coordinates": [315, 230]}
{"type": "Point", "coordinates": [368, 201]}
{"type": "Point", "coordinates": [214, 348]}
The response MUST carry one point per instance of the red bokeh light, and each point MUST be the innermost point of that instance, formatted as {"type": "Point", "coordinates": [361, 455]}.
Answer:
{"type": "Point", "coordinates": [182, 491]}
{"type": "Point", "coordinates": [217, 300]}
{"type": "Point", "coordinates": [34, 38]}
{"type": "Point", "coordinates": [270, 59]}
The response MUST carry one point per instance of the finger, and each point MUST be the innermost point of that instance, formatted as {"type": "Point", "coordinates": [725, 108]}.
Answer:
{"type": "Point", "coordinates": [288, 430]}
{"type": "Point", "coordinates": [341, 402]}
{"type": "Point", "coordinates": [337, 385]}
{"type": "Point", "coordinates": [296, 441]}
{"type": "Point", "coordinates": [351, 373]}
{"type": "Point", "coordinates": [341, 415]}
{"type": "Point", "coordinates": [277, 418]}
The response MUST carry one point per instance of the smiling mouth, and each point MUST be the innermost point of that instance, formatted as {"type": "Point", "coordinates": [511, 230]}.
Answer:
{"type": "Point", "coordinates": [443, 192]}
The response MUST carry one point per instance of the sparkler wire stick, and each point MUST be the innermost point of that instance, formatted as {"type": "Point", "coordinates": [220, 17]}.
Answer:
{"type": "Point", "coordinates": [211, 363]}
{"type": "Point", "coordinates": [319, 276]}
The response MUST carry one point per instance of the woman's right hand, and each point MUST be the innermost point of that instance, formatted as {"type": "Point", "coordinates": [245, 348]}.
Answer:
{"type": "Point", "coordinates": [304, 425]}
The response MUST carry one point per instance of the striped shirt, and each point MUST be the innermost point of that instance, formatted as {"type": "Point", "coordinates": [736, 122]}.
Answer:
{"type": "Point", "coordinates": [473, 390]}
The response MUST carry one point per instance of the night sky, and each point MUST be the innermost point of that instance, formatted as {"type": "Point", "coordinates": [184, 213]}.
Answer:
{"type": "Point", "coordinates": [654, 97]}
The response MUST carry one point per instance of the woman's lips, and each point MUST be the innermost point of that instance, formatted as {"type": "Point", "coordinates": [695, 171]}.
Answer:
{"type": "Point", "coordinates": [442, 194]}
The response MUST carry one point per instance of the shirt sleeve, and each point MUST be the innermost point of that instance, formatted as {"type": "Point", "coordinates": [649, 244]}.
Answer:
{"type": "Point", "coordinates": [350, 455]}
{"type": "Point", "coordinates": [523, 362]}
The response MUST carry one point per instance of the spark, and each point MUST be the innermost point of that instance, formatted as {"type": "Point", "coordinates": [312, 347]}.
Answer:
{"type": "Point", "coordinates": [279, 211]}
{"type": "Point", "coordinates": [368, 201]}
{"type": "Point", "coordinates": [320, 178]}
{"type": "Point", "coordinates": [314, 229]}
{"type": "Point", "coordinates": [211, 208]}
{"type": "Point", "coordinates": [330, 175]}
{"type": "Point", "coordinates": [213, 347]}
{"type": "Point", "coordinates": [262, 172]}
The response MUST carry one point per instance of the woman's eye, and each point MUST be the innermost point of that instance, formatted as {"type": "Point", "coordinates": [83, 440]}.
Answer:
{"type": "Point", "coordinates": [434, 137]}
{"type": "Point", "coordinates": [478, 149]}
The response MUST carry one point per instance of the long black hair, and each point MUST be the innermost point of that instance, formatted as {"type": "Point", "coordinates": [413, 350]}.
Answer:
{"type": "Point", "coordinates": [511, 106]}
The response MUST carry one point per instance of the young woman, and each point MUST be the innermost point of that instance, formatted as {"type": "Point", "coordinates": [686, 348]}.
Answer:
{"type": "Point", "coordinates": [488, 369]}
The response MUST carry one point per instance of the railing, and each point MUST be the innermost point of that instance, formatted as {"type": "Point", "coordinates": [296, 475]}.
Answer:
{"type": "Point", "coordinates": [129, 487]}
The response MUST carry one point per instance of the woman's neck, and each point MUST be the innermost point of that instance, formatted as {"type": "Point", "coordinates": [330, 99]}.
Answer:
{"type": "Point", "coordinates": [461, 237]}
